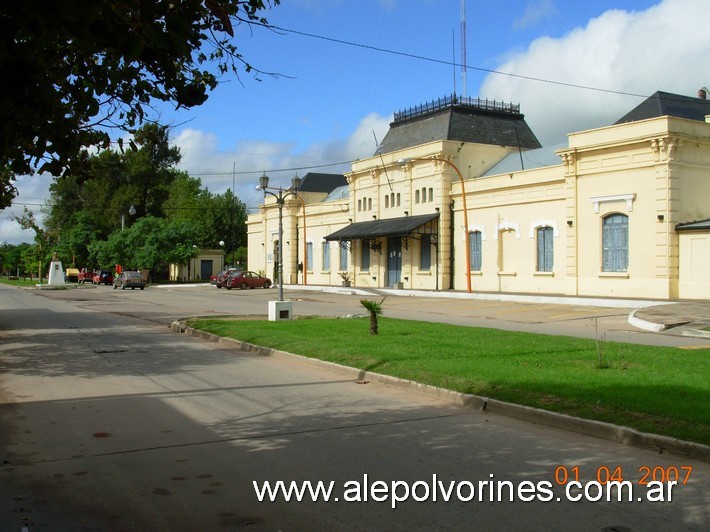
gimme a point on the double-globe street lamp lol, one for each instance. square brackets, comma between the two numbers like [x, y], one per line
[280, 196]
[465, 210]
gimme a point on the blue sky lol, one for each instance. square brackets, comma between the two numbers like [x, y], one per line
[330, 96]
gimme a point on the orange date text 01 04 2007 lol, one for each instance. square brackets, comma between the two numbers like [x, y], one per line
[643, 475]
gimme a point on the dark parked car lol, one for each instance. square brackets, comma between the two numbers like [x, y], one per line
[103, 277]
[130, 280]
[244, 279]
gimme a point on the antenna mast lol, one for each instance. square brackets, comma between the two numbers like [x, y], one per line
[463, 48]
[453, 58]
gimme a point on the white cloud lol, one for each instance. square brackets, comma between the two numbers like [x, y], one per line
[663, 48]
[32, 193]
[535, 12]
[242, 165]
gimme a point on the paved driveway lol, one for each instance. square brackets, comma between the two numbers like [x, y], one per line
[112, 422]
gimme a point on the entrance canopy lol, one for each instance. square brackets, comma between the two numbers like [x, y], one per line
[392, 227]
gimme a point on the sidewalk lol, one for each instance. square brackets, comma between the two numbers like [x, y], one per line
[681, 318]
[685, 318]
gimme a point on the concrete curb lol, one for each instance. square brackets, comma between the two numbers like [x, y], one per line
[650, 326]
[597, 429]
[695, 333]
[643, 324]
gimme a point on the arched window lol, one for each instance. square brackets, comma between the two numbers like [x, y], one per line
[615, 243]
[545, 249]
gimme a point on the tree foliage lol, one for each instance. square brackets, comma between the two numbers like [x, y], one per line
[88, 218]
[75, 70]
[111, 182]
[148, 244]
[11, 258]
[220, 217]
[34, 257]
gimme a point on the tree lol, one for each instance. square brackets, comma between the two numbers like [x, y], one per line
[150, 170]
[75, 239]
[11, 258]
[7, 189]
[108, 186]
[374, 309]
[217, 216]
[37, 255]
[75, 70]
[93, 204]
[149, 243]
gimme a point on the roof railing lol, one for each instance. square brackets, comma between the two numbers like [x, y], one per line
[459, 101]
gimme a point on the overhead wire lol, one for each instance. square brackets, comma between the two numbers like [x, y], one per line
[454, 63]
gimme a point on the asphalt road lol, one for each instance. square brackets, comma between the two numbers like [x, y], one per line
[109, 421]
[164, 304]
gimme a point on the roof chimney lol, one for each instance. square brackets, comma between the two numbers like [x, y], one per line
[703, 93]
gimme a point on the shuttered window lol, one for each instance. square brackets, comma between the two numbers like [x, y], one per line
[326, 256]
[474, 242]
[343, 257]
[425, 253]
[545, 249]
[615, 243]
[309, 256]
[365, 257]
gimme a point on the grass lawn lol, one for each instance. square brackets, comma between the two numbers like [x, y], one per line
[653, 389]
[22, 282]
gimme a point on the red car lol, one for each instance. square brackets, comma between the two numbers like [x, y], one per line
[244, 279]
[102, 277]
[220, 277]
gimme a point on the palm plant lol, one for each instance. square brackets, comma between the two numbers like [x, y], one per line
[374, 308]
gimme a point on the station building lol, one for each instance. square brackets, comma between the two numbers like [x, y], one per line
[460, 195]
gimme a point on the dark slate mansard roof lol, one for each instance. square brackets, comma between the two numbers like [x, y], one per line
[460, 119]
[667, 104]
[317, 182]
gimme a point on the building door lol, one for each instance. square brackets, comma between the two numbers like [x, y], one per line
[394, 262]
[206, 269]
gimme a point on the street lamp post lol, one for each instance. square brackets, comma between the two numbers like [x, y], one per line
[221, 247]
[280, 196]
[132, 212]
[465, 212]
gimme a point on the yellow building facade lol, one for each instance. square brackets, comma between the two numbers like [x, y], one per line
[460, 196]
